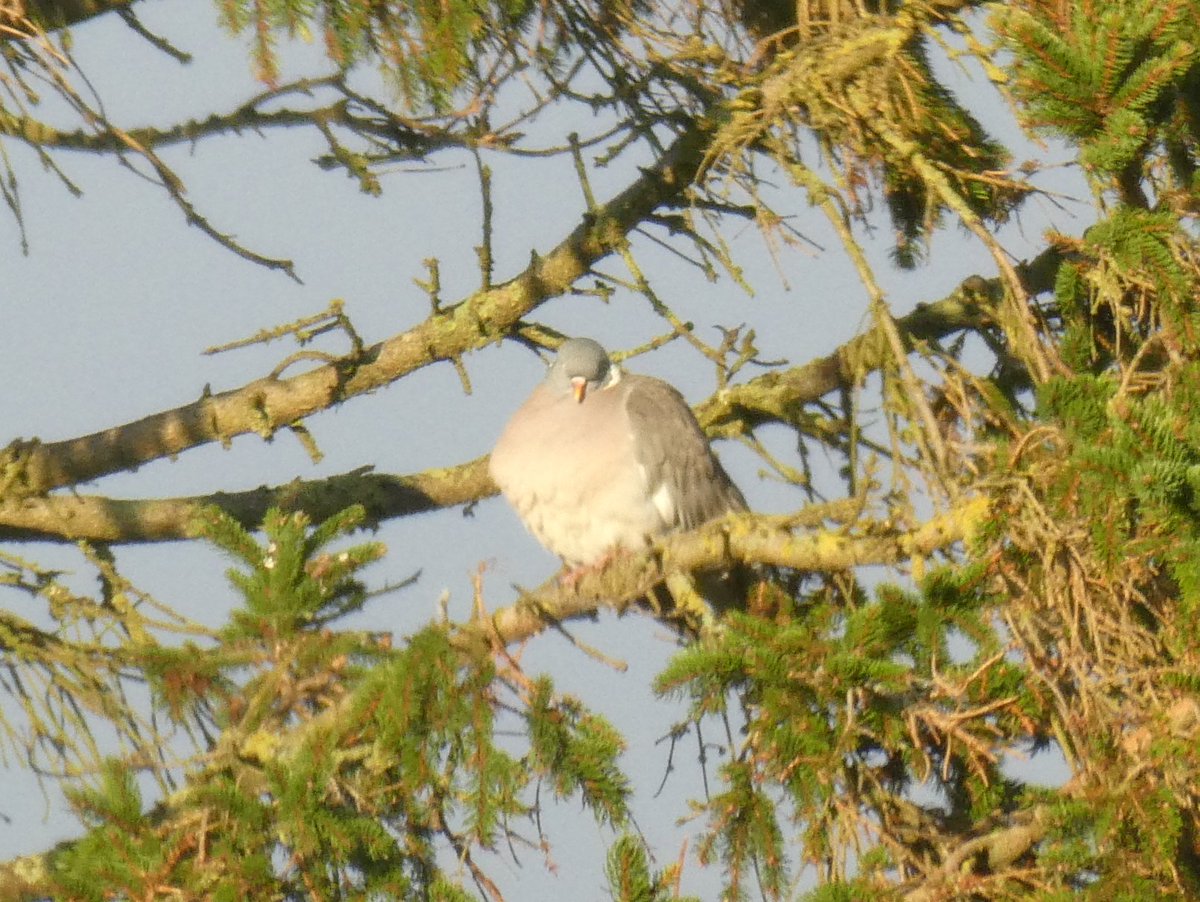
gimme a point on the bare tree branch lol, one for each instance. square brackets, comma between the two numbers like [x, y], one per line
[94, 518]
[268, 405]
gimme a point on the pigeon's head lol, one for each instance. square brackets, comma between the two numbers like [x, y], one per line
[581, 366]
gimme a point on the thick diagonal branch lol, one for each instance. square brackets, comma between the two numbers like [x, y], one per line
[270, 404]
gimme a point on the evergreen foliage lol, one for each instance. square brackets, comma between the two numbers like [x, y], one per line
[335, 765]
[1040, 521]
[849, 706]
[426, 47]
[1117, 78]
[630, 879]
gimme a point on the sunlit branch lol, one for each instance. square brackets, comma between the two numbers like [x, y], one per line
[73, 517]
[743, 539]
[267, 405]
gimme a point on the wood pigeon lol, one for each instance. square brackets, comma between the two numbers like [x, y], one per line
[598, 459]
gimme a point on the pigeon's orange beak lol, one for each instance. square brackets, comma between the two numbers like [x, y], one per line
[579, 388]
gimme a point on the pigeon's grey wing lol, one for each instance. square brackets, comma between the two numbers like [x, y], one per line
[684, 477]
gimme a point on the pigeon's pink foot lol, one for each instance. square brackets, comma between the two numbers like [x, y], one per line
[569, 578]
